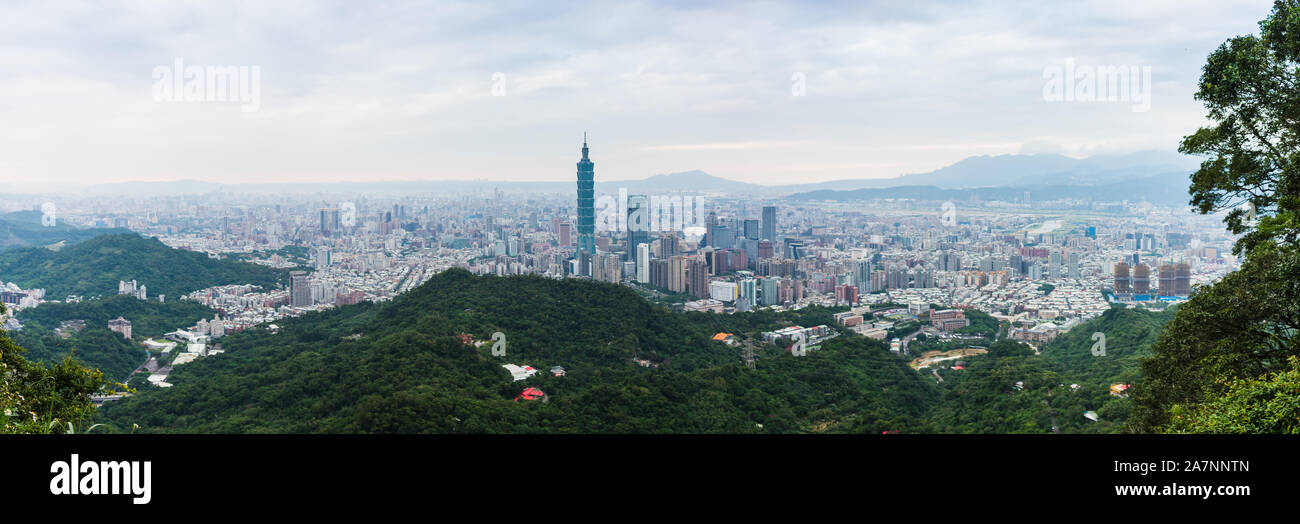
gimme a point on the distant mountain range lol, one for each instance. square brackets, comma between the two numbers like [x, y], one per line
[971, 172]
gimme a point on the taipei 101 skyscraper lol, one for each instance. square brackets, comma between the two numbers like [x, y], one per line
[586, 210]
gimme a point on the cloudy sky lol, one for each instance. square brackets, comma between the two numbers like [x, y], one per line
[405, 90]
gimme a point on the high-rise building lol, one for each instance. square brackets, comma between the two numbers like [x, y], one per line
[698, 272]
[1123, 282]
[638, 231]
[613, 270]
[771, 291]
[752, 229]
[1142, 280]
[659, 273]
[1166, 277]
[677, 274]
[586, 209]
[769, 223]
[643, 263]
[1182, 279]
[321, 257]
[564, 235]
[668, 245]
[329, 220]
[723, 237]
[299, 289]
[749, 290]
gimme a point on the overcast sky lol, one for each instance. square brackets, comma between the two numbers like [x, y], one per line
[405, 90]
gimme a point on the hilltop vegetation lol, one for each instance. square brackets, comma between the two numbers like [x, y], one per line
[1130, 334]
[24, 229]
[986, 397]
[95, 266]
[96, 346]
[398, 367]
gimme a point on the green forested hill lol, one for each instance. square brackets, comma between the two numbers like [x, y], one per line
[97, 347]
[24, 229]
[984, 398]
[398, 367]
[1129, 333]
[95, 266]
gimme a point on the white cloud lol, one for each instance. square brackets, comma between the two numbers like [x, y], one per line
[355, 89]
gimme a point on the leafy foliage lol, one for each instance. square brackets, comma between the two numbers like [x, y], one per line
[1245, 325]
[1266, 404]
[37, 399]
[1251, 87]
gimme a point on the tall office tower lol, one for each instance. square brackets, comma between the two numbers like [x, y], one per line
[586, 209]
[1123, 282]
[638, 231]
[1074, 265]
[677, 274]
[1015, 263]
[565, 234]
[1166, 277]
[709, 224]
[299, 289]
[752, 229]
[1182, 279]
[723, 237]
[769, 223]
[698, 272]
[643, 263]
[1142, 280]
[329, 220]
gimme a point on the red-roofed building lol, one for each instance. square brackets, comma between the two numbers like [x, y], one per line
[531, 394]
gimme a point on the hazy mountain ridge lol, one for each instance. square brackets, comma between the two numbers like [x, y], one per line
[971, 172]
